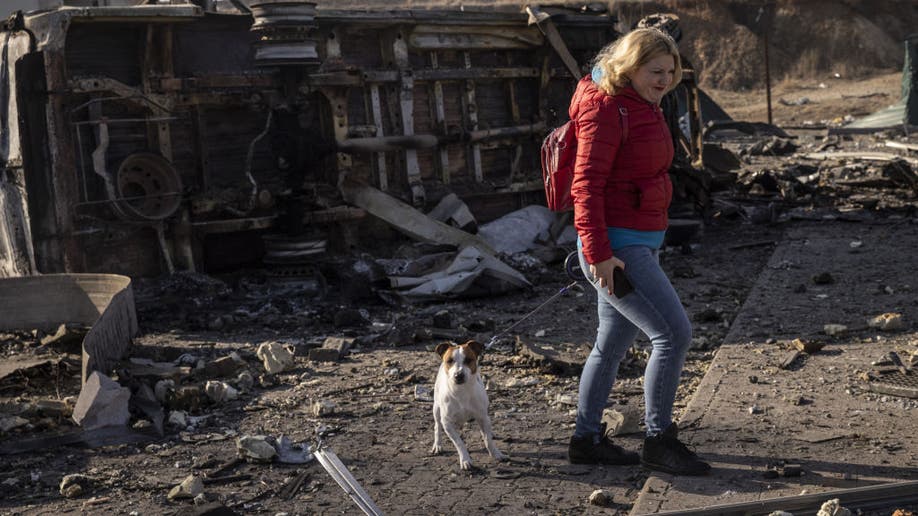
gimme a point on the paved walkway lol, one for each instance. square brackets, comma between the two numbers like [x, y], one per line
[749, 413]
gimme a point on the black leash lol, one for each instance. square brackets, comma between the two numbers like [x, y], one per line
[536, 309]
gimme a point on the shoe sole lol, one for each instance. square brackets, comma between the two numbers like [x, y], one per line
[672, 471]
[632, 462]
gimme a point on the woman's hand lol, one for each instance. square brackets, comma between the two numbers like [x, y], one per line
[602, 272]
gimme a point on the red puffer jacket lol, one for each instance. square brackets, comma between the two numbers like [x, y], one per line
[615, 185]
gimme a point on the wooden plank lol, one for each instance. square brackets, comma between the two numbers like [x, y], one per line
[515, 116]
[407, 219]
[440, 117]
[471, 114]
[376, 110]
[406, 108]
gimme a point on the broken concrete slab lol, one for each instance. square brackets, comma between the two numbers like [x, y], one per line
[105, 302]
[332, 350]
[103, 402]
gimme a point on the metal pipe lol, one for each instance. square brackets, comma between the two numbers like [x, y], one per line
[506, 132]
[387, 143]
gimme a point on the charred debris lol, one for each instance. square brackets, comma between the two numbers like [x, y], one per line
[264, 164]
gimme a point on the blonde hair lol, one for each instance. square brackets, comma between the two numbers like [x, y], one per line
[619, 59]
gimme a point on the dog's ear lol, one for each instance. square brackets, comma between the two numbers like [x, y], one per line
[442, 347]
[476, 346]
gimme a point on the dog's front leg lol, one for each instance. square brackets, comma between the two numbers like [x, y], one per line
[485, 424]
[437, 448]
[465, 461]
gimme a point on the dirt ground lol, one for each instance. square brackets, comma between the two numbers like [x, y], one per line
[380, 425]
[377, 415]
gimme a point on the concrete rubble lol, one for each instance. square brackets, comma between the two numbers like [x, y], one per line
[102, 402]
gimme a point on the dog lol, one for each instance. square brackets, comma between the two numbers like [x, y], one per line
[459, 397]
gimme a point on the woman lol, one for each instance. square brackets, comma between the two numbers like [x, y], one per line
[621, 193]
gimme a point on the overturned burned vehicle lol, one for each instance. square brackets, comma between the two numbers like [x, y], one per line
[141, 139]
[157, 137]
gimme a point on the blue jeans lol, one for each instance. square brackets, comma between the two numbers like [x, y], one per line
[653, 308]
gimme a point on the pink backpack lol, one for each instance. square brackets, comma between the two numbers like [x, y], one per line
[559, 152]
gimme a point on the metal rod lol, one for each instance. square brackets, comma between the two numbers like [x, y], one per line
[343, 477]
[124, 120]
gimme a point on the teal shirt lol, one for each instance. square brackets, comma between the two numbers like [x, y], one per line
[624, 237]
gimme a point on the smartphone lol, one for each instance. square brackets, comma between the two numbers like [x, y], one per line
[621, 286]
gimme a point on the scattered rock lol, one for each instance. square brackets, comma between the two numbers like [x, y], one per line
[755, 409]
[275, 357]
[221, 367]
[255, 447]
[324, 355]
[423, 393]
[550, 360]
[833, 507]
[834, 330]
[527, 381]
[789, 359]
[245, 381]
[601, 498]
[178, 418]
[887, 322]
[626, 421]
[808, 346]
[191, 487]
[220, 392]
[187, 397]
[323, 408]
[75, 485]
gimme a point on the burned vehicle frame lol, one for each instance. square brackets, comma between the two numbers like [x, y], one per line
[163, 137]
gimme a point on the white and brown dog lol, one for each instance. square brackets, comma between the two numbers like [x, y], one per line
[459, 397]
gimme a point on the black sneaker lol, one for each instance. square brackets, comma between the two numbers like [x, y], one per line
[664, 452]
[583, 450]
